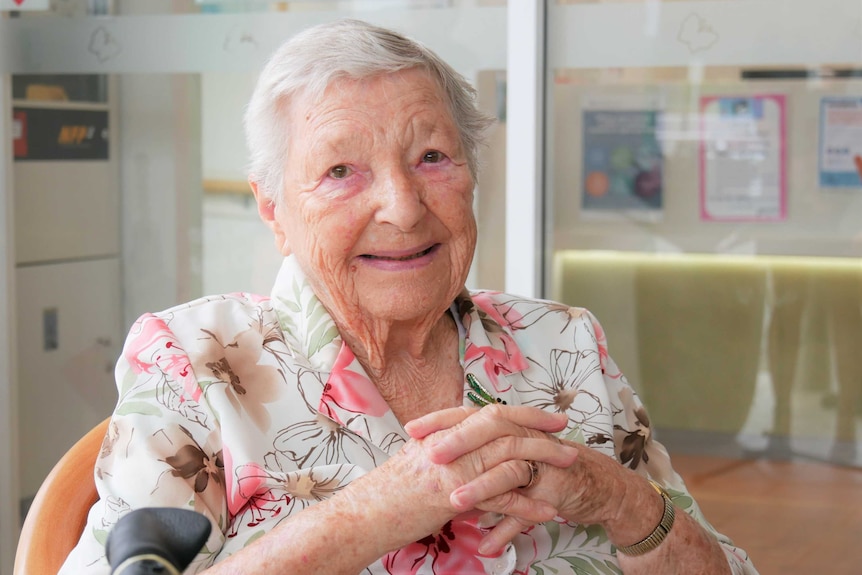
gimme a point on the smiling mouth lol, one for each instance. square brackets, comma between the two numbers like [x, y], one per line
[402, 258]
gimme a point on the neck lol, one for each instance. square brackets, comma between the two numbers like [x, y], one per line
[384, 347]
[413, 363]
[415, 371]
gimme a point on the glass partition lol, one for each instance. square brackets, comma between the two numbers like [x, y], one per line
[703, 175]
[704, 200]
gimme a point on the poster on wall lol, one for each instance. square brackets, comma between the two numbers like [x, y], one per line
[622, 163]
[840, 159]
[743, 158]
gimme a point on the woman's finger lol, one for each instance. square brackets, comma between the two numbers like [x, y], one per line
[542, 449]
[486, 426]
[506, 530]
[511, 502]
[438, 421]
[502, 479]
[526, 416]
[533, 455]
[514, 504]
[531, 417]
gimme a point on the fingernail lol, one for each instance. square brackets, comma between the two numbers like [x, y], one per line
[441, 452]
[460, 500]
[485, 548]
[549, 511]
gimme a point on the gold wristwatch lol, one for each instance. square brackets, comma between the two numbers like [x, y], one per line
[661, 531]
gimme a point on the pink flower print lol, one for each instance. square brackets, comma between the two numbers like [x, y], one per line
[350, 390]
[249, 479]
[264, 494]
[259, 507]
[250, 297]
[143, 342]
[235, 498]
[493, 360]
[177, 366]
[497, 361]
[486, 304]
[153, 347]
[451, 550]
[251, 501]
[601, 342]
[521, 313]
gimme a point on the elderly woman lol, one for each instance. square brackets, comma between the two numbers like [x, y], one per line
[372, 415]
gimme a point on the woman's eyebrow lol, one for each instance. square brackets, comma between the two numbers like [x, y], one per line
[326, 146]
[442, 133]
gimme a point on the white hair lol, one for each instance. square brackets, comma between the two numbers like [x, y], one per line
[310, 61]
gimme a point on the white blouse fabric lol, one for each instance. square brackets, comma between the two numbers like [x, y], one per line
[248, 409]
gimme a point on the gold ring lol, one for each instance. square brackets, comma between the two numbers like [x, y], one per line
[534, 473]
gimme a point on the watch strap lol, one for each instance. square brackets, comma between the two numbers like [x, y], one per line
[661, 531]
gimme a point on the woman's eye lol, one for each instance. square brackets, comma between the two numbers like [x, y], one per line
[432, 157]
[339, 172]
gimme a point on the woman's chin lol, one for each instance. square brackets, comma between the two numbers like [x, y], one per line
[405, 301]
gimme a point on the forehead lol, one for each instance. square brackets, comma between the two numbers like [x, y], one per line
[383, 101]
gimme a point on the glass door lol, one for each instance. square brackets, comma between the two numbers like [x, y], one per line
[124, 187]
[705, 201]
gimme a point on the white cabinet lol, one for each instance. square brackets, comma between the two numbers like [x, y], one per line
[65, 362]
[68, 270]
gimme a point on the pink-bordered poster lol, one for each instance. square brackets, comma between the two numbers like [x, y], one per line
[743, 157]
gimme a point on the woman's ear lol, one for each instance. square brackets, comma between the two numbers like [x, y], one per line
[267, 210]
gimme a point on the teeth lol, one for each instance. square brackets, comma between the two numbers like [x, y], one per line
[404, 258]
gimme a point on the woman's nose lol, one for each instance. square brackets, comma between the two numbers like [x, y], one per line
[401, 199]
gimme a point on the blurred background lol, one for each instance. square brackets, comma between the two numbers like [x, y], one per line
[689, 170]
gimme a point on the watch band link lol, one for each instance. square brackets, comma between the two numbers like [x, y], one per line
[661, 531]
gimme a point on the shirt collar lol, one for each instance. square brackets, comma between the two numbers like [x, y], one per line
[486, 345]
[490, 351]
[310, 332]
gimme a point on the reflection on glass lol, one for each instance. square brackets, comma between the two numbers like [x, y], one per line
[757, 348]
[711, 216]
[60, 87]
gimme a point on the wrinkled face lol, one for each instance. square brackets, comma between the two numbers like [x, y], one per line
[377, 198]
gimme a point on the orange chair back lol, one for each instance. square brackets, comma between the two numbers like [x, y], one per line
[59, 511]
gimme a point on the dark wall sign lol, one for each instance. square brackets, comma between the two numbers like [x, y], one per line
[51, 134]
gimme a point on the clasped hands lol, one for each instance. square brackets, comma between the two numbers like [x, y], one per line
[487, 452]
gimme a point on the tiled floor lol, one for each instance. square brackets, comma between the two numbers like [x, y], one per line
[793, 517]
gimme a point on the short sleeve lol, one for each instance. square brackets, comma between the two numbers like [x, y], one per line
[163, 447]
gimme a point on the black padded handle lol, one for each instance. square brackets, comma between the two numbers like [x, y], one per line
[174, 535]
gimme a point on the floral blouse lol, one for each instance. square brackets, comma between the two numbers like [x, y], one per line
[248, 409]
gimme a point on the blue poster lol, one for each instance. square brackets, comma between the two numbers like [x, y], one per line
[840, 142]
[622, 161]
